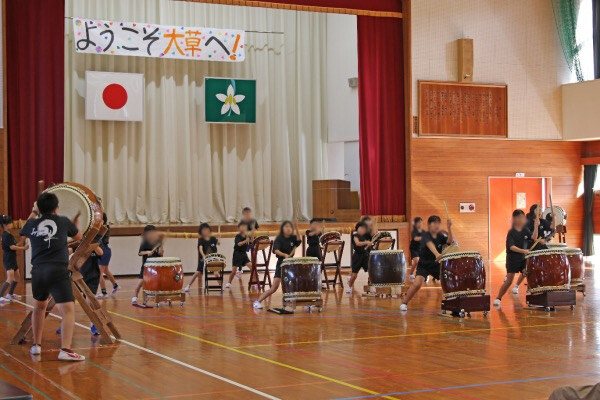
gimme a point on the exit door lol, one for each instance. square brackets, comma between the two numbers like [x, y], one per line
[506, 195]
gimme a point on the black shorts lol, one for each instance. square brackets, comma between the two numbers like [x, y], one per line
[360, 261]
[313, 251]
[106, 256]
[92, 282]
[515, 268]
[141, 275]
[239, 259]
[414, 253]
[50, 279]
[200, 267]
[10, 267]
[426, 269]
[278, 271]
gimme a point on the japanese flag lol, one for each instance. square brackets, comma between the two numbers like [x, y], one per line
[113, 96]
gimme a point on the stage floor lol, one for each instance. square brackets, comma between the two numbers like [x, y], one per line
[219, 347]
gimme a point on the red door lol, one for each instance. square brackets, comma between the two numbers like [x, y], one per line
[506, 195]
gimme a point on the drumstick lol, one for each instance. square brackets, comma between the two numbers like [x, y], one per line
[446, 208]
[219, 231]
[40, 187]
[552, 210]
[535, 243]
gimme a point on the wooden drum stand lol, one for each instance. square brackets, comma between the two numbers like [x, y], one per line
[261, 244]
[335, 247]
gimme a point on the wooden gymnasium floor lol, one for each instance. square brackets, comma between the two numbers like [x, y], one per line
[218, 347]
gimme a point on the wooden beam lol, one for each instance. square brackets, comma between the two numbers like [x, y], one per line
[590, 160]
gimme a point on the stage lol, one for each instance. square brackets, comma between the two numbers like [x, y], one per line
[219, 347]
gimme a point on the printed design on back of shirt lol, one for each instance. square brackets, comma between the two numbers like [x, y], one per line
[46, 229]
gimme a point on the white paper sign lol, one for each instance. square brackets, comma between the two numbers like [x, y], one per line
[150, 40]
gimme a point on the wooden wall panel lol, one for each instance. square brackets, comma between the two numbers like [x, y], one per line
[457, 170]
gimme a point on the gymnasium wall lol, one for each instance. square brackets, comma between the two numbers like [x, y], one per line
[515, 42]
[457, 170]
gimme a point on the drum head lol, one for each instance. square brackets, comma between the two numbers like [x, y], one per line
[72, 201]
[559, 213]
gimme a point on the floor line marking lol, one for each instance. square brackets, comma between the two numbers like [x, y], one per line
[124, 379]
[24, 381]
[268, 360]
[408, 335]
[446, 388]
[174, 360]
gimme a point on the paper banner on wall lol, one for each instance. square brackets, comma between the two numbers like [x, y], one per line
[230, 101]
[150, 40]
[521, 200]
[114, 96]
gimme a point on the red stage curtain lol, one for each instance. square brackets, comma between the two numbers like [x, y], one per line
[381, 116]
[35, 95]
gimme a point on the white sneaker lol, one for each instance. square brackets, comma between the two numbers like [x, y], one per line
[4, 300]
[349, 289]
[412, 278]
[35, 350]
[515, 290]
[134, 300]
[187, 289]
[497, 302]
[239, 274]
[70, 355]
[403, 307]
[101, 296]
[8, 297]
[15, 296]
[115, 289]
[257, 304]
[228, 285]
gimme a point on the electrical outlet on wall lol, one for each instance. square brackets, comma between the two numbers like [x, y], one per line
[467, 207]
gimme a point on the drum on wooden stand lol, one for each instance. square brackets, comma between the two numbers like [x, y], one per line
[387, 271]
[332, 243]
[163, 280]
[301, 282]
[549, 279]
[214, 267]
[575, 258]
[383, 240]
[462, 275]
[75, 200]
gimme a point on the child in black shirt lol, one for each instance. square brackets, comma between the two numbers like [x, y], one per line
[240, 251]
[9, 259]
[104, 261]
[207, 244]
[151, 247]
[517, 246]
[432, 244]
[415, 245]
[50, 274]
[284, 247]
[360, 257]
[313, 236]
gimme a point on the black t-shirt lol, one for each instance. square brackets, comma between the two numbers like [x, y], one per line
[238, 239]
[10, 256]
[90, 268]
[285, 244]
[146, 246]
[251, 224]
[312, 241]
[521, 240]
[415, 244]
[48, 236]
[208, 246]
[360, 250]
[106, 237]
[425, 254]
[544, 230]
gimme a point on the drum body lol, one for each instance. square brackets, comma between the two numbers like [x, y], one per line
[330, 236]
[548, 270]
[215, 260]
[261, 243]
[75, 199]
[462, 274]
[575, 258]
[301, 278]
[163, 275]
[387, 268]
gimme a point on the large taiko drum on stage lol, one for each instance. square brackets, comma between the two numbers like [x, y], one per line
[387, 268]
[301, 278]
[163, 276]
[547, 270]
[462, 274]
[575, 258]
[75, 200]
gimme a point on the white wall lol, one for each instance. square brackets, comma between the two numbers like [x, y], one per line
[515, 42]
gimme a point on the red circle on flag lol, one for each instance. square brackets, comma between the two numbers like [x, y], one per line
[114, 96]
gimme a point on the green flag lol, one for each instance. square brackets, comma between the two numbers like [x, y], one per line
[230, 100]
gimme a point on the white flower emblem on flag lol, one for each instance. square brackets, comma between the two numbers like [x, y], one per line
[230, 101]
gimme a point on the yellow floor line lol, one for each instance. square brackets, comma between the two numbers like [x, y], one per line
[268, 360]
[406, 335]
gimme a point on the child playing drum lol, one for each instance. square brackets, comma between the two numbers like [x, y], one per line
[284, 247]
[9, 259]
[360, 257]
[517, 246]
[415, 245]
[313, 235]
[151, 247]
[240, 248]
[252, 226]
[432, 243]
[207, 244]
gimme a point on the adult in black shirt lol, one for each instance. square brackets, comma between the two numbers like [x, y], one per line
[150, 247]
[360, 257]
[517, 246]
[284, 247]
[432, 243]
[49, 275]
[9, 259]
[415, 245]
[313, 237]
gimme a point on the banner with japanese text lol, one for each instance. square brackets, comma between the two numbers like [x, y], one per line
[150, 40]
